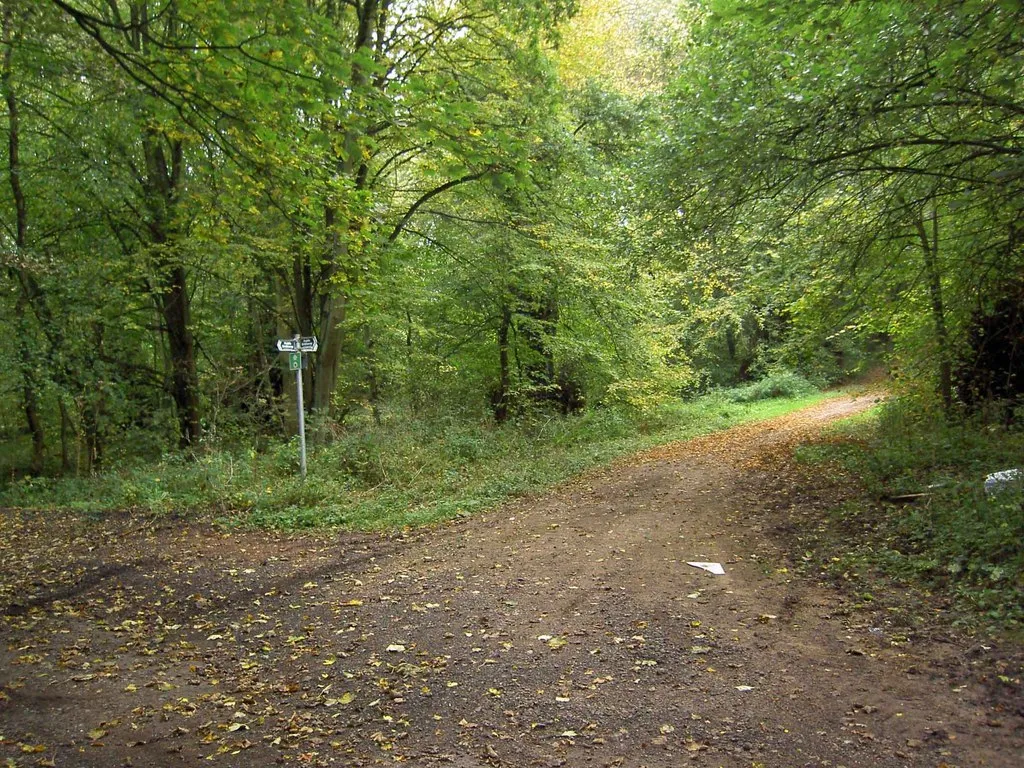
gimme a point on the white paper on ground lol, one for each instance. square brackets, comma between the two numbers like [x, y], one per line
[715, 568]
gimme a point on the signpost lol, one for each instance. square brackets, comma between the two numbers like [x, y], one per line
[296, 347]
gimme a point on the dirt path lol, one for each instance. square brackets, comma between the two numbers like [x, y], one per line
[561, 631]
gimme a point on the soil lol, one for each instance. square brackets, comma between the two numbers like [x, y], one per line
[565, 630]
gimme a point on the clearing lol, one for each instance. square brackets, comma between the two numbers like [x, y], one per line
[565, 630]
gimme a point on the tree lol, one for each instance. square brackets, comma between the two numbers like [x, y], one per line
[906, 119]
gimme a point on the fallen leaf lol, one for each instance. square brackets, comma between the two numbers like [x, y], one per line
[345, 699]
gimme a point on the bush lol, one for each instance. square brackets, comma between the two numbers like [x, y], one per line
[776, 384]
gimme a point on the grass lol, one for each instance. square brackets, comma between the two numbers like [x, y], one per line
[404, 473]
[957, 540]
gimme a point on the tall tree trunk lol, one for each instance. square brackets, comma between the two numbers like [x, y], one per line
[173, 300]
[91, 436]
[165, 167]
[933, 276]
[30, 391]
[372, 376]
[305, 323]
[162, 182]
[66, 430]
[370, 15]
[411, 380]
[333, 310]
[30, 386]
[502, 395]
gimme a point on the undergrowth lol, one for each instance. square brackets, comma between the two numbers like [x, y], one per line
[405, 472]
[777, 384]
[954, 538]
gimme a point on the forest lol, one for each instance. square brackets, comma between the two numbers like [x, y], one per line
[510, 226]
[659, 401]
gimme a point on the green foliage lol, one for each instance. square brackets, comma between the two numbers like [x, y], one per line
[839, 177]
[777, 384]
[957, 539]
[406, 472]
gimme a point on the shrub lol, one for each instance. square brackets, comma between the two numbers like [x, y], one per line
[780, 383]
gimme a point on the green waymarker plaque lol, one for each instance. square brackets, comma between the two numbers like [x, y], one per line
[294, 361]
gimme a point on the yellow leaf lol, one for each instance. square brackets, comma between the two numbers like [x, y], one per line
[96, 733]
[346, 698]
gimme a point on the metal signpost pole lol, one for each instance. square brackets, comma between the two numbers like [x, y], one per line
[296, 347]
[302, 415]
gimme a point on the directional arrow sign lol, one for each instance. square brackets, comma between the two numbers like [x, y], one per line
[308, 344]
[287, 345]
